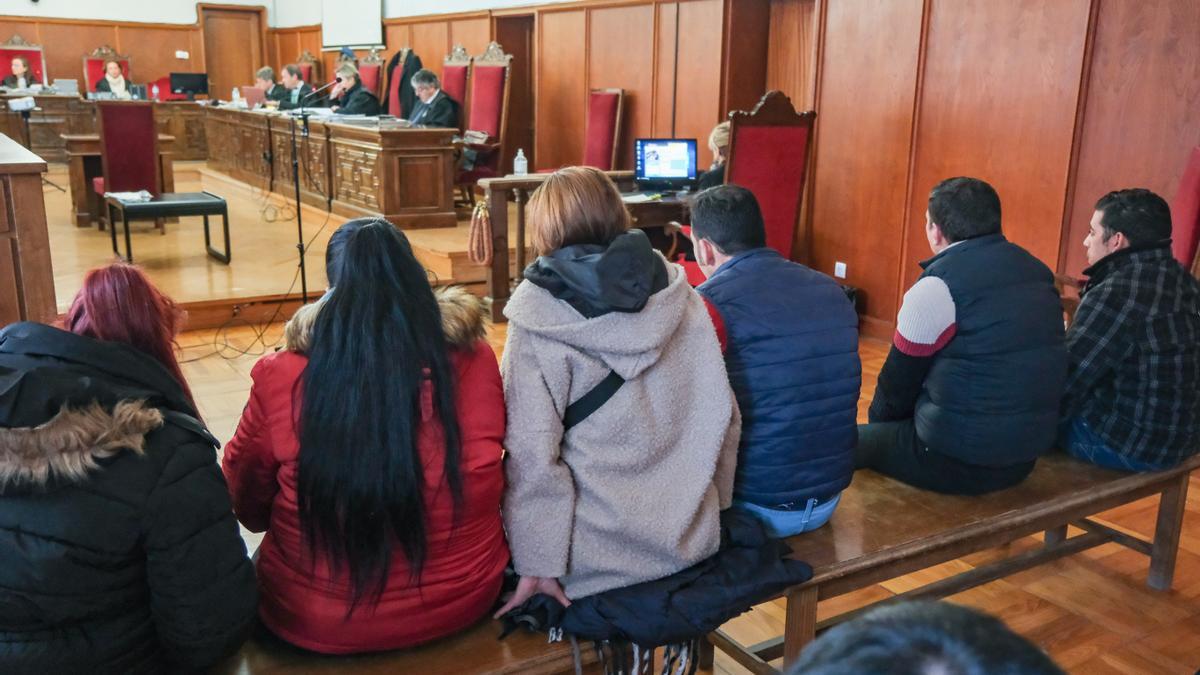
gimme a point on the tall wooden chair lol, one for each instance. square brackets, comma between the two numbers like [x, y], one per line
[1185, 212]
[370, 70]
[768, 155]
[456, 76]
[603, 128]
[310, 68]
[128, 149]
[93, 66]
[487, 112]
[17, 46]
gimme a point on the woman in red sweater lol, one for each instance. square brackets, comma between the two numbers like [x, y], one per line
[370, 453]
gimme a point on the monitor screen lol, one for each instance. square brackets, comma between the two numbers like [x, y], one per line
[668, 162]
[189, 83]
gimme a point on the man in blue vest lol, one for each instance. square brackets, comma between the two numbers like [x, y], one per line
[969, 394]
[791, 339]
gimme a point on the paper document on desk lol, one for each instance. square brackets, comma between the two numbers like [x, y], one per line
[640, 198]
[130, 197]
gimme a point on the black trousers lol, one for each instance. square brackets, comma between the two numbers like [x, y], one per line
[893, 449]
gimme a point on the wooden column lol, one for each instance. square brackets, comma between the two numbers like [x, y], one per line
[26, 280]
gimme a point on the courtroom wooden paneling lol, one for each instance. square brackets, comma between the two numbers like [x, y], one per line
[1142, 108]
[621, 54]
[65, 45]
[26, 278]
[998, 102]
[473, 33]
[152, 50]
[862, 149]
[286, 44]
[312, 155]
[696, 81]
[561, 91]
[744, 76]
[792, 48]
[184, 121]
[431, 42]
[516, 34]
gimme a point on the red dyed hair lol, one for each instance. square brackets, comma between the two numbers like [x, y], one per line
[118, 303]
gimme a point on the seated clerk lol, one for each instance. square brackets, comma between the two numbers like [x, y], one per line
[350, 97]
[633, 491]
[435, 107]
[969, 394]
[370, 453]
[21, 77]
[264, 78]
[718, 144]
[1132, 398]
[297, 92]
[119, 552]
[793, 362]
[114, 81]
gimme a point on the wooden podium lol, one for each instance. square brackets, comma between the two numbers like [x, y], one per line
[26, 280]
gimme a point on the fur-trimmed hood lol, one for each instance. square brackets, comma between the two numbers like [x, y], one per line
[68, 445]
[464, 319]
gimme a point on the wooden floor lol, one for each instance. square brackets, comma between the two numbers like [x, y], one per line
[263, 241]
[1092, 612]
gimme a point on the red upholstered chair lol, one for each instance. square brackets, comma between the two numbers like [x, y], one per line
[768, 155]
[128, 148]
[164, 90]
[310, 67]
[93, 66]
[17, 46]
[1185, 212]
[456, 74]
[603, 128]
[370, 71]
[487, 112]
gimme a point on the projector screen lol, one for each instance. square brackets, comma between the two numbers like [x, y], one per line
[351, 23]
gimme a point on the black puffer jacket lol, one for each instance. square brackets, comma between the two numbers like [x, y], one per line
[119, 551]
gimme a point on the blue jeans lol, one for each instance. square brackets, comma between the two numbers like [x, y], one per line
[1080, 442]
[785, 523]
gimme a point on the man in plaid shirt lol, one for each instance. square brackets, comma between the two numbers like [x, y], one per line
[1132, 398]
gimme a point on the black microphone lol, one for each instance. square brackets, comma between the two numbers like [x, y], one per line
[314, 92]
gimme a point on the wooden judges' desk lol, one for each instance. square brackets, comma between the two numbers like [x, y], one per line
[83, 164]
[26, 280]
[73, 116]
[403, 174]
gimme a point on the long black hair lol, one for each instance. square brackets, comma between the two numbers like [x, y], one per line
[375, 343]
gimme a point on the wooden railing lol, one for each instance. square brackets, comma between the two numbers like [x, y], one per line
[499, 194]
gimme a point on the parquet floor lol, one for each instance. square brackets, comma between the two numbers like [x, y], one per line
[1092, 612]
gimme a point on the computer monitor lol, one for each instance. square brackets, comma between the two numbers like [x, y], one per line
[665, 163]
[189, 83]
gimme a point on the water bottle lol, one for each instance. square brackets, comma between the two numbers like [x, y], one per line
[520, 164]
[235, 95]
[154, 92]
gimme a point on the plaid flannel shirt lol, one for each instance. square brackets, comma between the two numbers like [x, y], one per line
[1135, 356]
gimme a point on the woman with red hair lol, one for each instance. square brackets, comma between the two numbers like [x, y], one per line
[118, 547]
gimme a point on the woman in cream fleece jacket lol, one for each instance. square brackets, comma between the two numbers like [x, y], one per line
[634, 491]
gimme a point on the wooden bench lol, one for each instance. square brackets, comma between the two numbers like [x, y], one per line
[884, 529]
[476, 650]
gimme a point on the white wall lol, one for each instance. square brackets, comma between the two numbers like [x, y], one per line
[147, 11]
[395, 8]
[296, 13]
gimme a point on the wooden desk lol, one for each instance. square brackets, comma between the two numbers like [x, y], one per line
[26, 280]
[58, 115]
[83, 164]
[405, 175]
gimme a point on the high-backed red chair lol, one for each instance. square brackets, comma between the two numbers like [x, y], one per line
[768, 155]
[603, 128]
[370, 71]
[128, 148]
[487, 112]
[310, 67]
[93, 66]
[456, 74]
[17, 46]
[1185, 212]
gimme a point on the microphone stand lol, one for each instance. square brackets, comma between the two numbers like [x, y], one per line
[303, 116]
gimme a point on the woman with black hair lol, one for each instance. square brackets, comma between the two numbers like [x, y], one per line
[370, 453]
